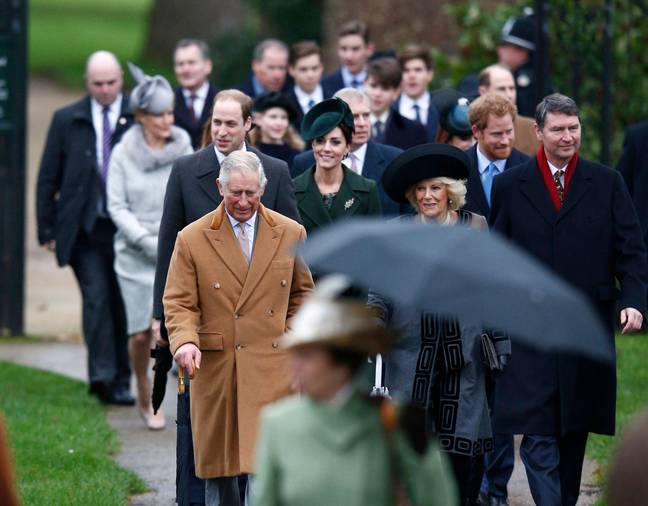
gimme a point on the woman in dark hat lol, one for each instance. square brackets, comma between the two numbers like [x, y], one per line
[333, 444]
[330, 191]
[438, 363]
[274, 135]
[454, 127]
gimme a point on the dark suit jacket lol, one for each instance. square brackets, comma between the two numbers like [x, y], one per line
[331, 83]
[432, 120]
[634, 169]
[476, 198]
[402, 132]
[376, 161]
[247, 86]
[183, 118]
[592, 242]
[357, 196]
[192, 192]
[68, 183]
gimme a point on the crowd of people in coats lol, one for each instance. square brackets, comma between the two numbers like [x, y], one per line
[178, 211]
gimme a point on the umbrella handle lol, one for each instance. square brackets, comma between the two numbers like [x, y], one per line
[193, 368]
[378, 373]
[181, 382]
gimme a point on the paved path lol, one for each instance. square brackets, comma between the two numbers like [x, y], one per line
[53, 310]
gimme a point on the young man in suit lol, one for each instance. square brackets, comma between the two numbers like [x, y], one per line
[388, 126]
[577, 218]
[269, 69]
[195, 95]
[73, 220]
[414, 102]
[305, 67]
[233, 287]
[354, 49]
[491, 118]
[367, 158]
[498, 79]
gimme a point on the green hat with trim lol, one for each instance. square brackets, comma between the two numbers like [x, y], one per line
[324, 117]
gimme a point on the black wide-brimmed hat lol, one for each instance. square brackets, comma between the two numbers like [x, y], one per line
[453, 111]
[324, 117]
[275, 99]
[423, 162]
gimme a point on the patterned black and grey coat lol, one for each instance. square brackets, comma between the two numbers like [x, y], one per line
[437, 365]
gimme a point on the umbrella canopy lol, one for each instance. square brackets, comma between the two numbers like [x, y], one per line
[462, 273]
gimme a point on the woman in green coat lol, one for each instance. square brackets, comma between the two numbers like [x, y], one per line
[333, 445]
[329, 191]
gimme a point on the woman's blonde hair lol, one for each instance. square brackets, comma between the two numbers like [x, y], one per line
[455, 188]
[291, 137]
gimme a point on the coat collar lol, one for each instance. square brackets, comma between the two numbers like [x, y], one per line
[84, 112]
[223, 240]
[309, 199]
[474, 184]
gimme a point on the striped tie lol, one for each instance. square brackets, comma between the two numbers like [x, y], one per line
[106, 140]
[244, 241]
[559, 186]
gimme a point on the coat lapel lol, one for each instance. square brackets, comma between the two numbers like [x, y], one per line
[374, 163]
[474, 184]
[578, 187]
[207, 172]
[533, 187]
[309, 199]
[267, 240]
[221, 237]
[347, 201]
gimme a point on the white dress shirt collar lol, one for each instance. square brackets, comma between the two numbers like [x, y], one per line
[201, 93]
[483, 162]
[360, 155]
[555, 169]
[406, 106]
[250, 224]
[303, 98]
[222, 156]
[347, 77]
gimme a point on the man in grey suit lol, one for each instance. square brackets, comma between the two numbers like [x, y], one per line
[192, 192]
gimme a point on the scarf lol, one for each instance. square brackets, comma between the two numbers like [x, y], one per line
[547, 176]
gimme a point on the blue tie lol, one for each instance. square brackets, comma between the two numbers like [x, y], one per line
[310, 104]
[491, 172]
[355, 83]
[417, 111]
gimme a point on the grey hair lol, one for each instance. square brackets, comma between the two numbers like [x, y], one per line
[350, 94]
[241, 161]
[264, 45]
[200, 44]
[455, 188]
[555, 103]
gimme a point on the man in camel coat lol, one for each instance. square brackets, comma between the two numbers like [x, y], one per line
[232, 288]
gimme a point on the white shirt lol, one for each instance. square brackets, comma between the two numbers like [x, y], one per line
[360, 155]
[406, 107]
[555, 169]
[382, 118]
[199, 101]
[97, 122]
[483, 163]
[250, 228]
[360, 77]
[222, 156]
[304, 98]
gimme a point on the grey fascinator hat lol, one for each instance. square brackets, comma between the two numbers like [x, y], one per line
[153, 94]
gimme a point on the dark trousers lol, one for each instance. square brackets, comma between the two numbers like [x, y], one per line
[499, 466]
[104, 317]
[468, 472]
[554, 465]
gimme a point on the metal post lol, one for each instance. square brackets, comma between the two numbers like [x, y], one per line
[13, 101]
[606, 112]
[541, 56]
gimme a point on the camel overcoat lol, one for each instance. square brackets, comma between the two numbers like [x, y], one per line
[235, 315]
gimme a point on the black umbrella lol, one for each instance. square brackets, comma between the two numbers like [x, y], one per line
[466, 274]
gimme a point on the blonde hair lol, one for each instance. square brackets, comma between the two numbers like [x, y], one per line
[455, 188]
[291, 137]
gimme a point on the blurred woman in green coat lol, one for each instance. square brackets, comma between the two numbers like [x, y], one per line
[334, 445]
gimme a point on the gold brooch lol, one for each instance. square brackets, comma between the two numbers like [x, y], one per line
[348, 203]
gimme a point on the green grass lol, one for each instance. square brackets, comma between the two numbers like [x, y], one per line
[62, 33]
[632, 397]
[61, 443]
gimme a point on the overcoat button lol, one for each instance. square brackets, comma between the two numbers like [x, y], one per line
[216, 285]
[238, 346]
[236, 316]
[275, 344]
[122, 121]
[270, 312]
[283, 282]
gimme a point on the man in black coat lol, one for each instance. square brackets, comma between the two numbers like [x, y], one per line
[269, 69]
[73, 220]
[577, 218]
[367, 158]
[195, 95]
[491, 118]
[388, 125]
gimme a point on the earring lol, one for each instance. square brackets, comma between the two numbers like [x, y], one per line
[449, 201]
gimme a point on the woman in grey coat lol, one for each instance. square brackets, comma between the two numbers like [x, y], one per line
[137, 177]
[438, 363]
